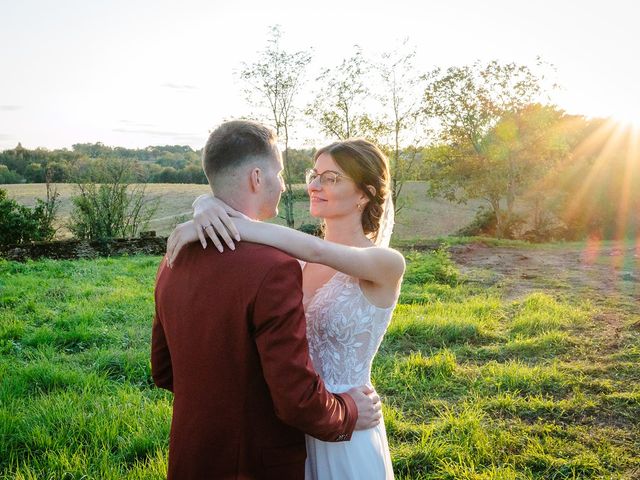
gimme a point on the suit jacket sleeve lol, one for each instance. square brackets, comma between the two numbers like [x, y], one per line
[299, 395]
[161, 369]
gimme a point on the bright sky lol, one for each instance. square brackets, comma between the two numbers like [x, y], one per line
[154, 72]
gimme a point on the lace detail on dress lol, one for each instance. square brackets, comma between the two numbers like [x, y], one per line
[344, 331]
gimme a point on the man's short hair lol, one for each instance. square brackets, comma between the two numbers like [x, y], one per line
[235, 143]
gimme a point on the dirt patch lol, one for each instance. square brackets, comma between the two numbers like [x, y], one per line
[607, 276]
[603, 272]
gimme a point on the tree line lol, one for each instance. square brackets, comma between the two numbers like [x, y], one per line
[85, 162]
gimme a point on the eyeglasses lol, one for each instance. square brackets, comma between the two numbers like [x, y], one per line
[328, 177]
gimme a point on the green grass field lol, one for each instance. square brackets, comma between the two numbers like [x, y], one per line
[436, 217]
[476, 384]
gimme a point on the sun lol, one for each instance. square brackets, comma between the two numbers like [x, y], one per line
[628, 115]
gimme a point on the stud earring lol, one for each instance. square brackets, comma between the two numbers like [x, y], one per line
[359, 207]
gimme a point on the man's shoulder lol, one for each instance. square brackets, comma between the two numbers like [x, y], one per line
[249, 264]
[266, 252]
[264, 257]
[247, 259]
[252, 255]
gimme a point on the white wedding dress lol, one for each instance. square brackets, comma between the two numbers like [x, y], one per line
[344, 331]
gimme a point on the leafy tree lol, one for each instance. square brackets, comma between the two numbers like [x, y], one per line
[9, 176]
[21, 164]
[35, 173]
[596, 189]
[400, 99]
[342, 102]
[274, 82]
[493, 137]
[299, 161]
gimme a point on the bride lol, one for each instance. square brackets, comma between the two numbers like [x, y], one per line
[351, 283]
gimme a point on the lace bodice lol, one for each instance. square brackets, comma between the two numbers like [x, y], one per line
[344, 331]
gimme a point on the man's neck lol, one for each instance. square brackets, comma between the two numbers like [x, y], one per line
[241, 205]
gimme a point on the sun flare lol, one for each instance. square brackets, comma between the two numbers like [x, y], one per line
[628, 116]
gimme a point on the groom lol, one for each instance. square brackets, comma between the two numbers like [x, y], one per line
[229, 338]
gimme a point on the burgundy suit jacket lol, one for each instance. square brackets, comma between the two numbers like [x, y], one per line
[229, 340]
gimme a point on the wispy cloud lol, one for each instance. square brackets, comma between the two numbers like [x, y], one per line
[160, 133]
[6, 136]
[10, 108]
[134, 123]
[179, 86]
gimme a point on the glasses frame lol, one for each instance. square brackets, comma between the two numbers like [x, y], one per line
[311, 172]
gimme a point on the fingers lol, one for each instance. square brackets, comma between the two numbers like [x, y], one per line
[222, 227]
[369, 406]
[201, 222]
[214, 238]
[376, 414]
[231, 227]
[172, 247]
[222, 232]
[200, 232]
[376, 419]
[176, 249]
[169, 248]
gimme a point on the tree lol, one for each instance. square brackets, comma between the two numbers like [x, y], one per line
[34, 173]
[400, 98]
[9, 176]
[274, 82]
[524, 147]
[486, 123]
[342, 103]
[597, 187]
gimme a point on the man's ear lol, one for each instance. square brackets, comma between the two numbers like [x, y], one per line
[255, 179]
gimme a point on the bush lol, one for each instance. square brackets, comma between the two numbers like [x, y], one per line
[485, 223]
[433, 267]
[311, 229]
[22, 224]
[114, 208]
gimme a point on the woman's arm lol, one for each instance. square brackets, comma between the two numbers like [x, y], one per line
[375, 264]
[381, 266]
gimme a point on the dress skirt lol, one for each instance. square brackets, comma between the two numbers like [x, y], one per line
[365, 457]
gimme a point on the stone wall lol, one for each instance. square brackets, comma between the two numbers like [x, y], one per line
[73, 249]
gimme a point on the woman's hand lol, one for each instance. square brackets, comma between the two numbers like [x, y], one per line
[213, 216]
[183, 233]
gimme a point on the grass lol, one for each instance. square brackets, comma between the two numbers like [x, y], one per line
[475, 386]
